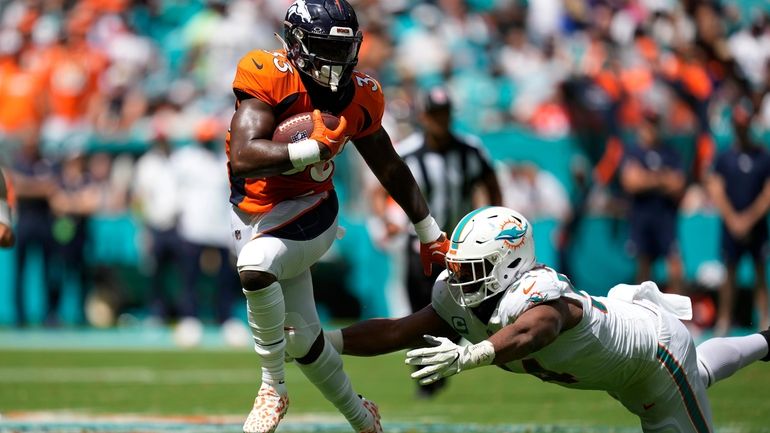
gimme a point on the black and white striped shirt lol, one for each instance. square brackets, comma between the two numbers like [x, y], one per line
[447, 178]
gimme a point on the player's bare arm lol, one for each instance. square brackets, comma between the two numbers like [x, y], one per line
[379, 336]
[534, 329]
[379, 154]
[254, 155]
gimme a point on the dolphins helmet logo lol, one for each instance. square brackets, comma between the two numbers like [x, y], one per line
[512, 233]
[300, 8]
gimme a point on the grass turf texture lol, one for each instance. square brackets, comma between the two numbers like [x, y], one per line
[225, 383]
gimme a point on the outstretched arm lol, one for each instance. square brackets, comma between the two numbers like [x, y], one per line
[380, 336]
[533, 330]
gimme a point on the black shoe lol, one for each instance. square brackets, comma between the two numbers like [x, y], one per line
[766, 334]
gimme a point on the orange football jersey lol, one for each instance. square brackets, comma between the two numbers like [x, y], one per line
[272, 78]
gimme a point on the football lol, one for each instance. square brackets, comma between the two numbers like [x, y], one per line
[300, 126]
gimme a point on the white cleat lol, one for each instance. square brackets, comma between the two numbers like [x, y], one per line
[372, 408]
[269, 408]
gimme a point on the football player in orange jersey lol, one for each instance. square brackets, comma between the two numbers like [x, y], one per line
[6, 233]
[284, 204]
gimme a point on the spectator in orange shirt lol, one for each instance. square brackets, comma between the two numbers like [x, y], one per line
[22, 105]
[72, 73]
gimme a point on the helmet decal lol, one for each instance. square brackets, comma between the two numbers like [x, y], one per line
[512, 233]
[457, 238]
[299, 8]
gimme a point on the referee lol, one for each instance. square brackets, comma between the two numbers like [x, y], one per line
[455, 173]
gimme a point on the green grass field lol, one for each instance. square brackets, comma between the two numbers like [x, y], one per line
[222, 384]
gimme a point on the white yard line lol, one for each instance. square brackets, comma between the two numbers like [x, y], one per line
[35, 422]
[124, 375]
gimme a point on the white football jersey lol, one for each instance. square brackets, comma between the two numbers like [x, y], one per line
[600, 352]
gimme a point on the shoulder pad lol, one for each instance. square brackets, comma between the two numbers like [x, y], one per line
[539, 285]
[267, 75]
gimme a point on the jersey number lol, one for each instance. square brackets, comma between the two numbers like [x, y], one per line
[531, 366]
[321, 171]
[280, 62]
[367, 81]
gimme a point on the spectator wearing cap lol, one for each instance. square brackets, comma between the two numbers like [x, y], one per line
[455, 174]
[653, 178]
[739, 186]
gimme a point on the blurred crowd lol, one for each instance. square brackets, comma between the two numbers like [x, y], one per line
[102, 99]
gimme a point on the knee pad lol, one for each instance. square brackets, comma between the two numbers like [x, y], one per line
[259, 254]
[300, 335]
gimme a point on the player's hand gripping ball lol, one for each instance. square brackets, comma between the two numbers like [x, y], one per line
[325, 128]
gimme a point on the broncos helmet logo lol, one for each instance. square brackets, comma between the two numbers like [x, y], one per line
[299, 8]
[512, 233]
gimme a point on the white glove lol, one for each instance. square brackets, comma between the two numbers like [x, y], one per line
[447, 358]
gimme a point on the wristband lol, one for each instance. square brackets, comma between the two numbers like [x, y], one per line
[5, 213]
[427, 230]
[335, 339]
[304, 153]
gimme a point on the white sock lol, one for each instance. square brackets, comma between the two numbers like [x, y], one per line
[266, 312]
[327, 375]
[720, 358]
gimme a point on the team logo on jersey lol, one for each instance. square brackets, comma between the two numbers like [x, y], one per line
[537, 298]
[299, 8]
[512, 233]
[459, 324]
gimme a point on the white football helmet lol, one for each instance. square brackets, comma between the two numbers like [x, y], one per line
[490, 249]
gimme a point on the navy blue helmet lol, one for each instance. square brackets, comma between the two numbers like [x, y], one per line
[323, 39]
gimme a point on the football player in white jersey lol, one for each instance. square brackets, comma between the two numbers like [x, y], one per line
[528, 318]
